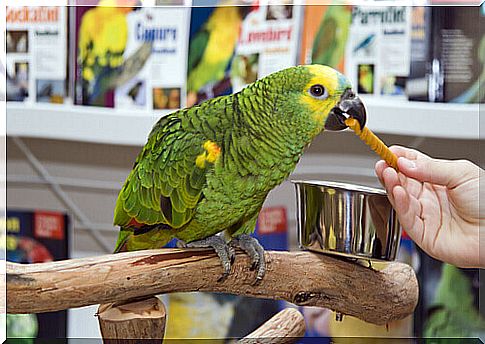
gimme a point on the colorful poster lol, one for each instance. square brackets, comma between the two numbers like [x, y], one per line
[232, 46]
[36, 237]
[378, 50]
[36, 45]
[131, 57]
[325, 34]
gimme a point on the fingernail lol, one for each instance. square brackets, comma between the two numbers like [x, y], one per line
[406, 163]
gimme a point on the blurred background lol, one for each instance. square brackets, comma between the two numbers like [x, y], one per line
[86, 81]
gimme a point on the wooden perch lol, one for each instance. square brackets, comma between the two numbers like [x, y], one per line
[143, 319]
[285, 327]
[303, 278]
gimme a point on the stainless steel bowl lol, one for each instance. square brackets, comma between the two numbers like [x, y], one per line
[347, 220]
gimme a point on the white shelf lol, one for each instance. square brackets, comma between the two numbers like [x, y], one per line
[101, 125]
[402, 117]
[80, 123]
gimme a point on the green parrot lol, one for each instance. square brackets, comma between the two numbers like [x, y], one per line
[208, 169]
[454, 312]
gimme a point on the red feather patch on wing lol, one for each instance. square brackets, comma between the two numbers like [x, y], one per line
[134, 223]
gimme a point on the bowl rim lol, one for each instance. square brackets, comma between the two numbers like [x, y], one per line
[342, 186]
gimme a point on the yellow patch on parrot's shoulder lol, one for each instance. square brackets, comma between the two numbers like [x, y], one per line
[200, 160]
[212, 152]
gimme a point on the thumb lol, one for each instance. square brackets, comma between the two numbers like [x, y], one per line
[449, 173]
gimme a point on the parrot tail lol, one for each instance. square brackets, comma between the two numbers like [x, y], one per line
[148, 237]
[123, 237]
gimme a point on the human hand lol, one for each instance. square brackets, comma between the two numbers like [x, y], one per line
[437, 204]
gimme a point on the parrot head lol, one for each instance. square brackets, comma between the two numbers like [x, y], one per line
[323, 96]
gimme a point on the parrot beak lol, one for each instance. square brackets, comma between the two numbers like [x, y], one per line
[349, 105]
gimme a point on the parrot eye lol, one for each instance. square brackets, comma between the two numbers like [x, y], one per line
[318, 91]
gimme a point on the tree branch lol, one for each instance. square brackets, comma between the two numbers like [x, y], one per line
[143, 319]
[300, 277]
[286, 327]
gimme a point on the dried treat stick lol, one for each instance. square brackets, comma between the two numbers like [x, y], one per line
[373, 142]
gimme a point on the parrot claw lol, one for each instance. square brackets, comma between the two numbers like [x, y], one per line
[226, 254]
[223, 277]
[255, 252]
[258, 280]
[254, 265]
[232, 254]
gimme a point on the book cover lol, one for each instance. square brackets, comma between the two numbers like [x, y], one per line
[447, 55]
[418, 83]
[232, 46]
[458, 65]
[36, 237]
[160, 84]
[131, 57]
[377, 55]
[36, 46]
[325, 34]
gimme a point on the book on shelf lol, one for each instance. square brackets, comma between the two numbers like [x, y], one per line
[131, 57]
[377, 55]
[36, 54]
[451, 65]
[325, 34]
[232, 46]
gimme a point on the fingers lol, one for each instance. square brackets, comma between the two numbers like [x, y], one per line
[403, 193]
[402, 207]
[379, 168]
[391, 180]
[421, 167]
[442, 172]
[408, 210]
[405, 152]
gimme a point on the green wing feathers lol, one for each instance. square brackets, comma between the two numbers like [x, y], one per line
[130, 240]
[165, 184]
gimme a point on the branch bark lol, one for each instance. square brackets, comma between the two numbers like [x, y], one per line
[303, 278]
[286, 327]
[145, 319]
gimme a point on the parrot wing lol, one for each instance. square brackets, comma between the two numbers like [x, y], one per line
[166, 183]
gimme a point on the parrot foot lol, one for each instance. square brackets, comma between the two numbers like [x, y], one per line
[255, 251]
[224, 251]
